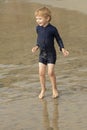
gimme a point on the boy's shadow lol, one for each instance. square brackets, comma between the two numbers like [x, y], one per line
[50, 124]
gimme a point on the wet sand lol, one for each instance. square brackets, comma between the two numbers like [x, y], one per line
[20, 108]
[76, 5]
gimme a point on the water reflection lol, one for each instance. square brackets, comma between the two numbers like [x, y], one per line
[48, 123]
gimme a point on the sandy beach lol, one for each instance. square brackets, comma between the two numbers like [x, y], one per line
[20, 108]
[75, 5]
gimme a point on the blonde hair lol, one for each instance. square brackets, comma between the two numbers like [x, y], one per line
[44, 12]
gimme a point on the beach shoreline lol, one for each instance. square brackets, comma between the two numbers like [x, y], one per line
[74, 5]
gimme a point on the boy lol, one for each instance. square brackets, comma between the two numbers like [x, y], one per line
[45, 42]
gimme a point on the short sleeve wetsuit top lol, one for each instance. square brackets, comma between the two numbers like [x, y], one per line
[45, 41]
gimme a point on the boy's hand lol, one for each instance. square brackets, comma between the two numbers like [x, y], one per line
[65, 52]
[34, 49]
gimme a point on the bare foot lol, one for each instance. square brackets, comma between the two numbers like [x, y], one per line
[42, 94]
[55, 93]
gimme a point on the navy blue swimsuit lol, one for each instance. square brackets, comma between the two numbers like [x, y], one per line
[45, 41]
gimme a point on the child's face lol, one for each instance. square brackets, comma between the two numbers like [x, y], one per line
[42, 21]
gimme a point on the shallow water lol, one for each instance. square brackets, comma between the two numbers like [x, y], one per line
[20, 108]
[77, 5]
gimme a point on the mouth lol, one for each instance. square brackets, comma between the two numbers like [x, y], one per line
[40, 23]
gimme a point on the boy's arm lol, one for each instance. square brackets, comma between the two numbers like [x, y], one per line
[60, 43]
[59, 39]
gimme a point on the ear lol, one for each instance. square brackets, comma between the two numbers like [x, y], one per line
[48, 19]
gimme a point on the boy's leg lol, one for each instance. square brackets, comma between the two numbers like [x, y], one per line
[42, 71]
[53, 79]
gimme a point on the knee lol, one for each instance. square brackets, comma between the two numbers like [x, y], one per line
[50, 74]
[41, 74]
